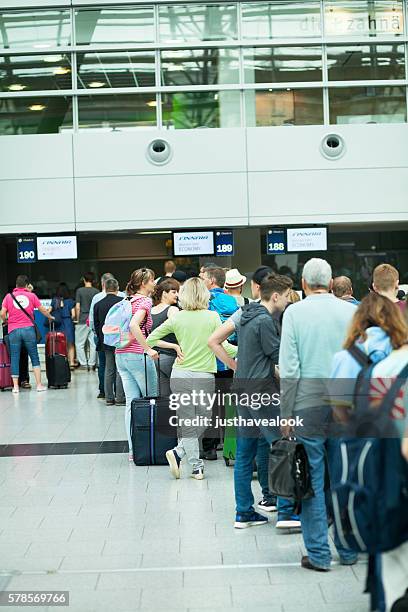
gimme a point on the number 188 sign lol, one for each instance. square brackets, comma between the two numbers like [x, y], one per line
[26, 250]
[224, 243]
[276, 242]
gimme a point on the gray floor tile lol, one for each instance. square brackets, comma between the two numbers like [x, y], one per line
[222, 577]
[259, 595]
[137, 580]
[212, 598]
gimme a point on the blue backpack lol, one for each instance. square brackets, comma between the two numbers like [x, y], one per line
[369, 475]
[116, 331]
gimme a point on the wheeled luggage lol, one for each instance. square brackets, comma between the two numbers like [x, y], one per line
[6, 381]
[230, 436]
[151, 432]
[56, 360]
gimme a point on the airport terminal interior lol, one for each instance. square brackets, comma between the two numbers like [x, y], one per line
[133, 132]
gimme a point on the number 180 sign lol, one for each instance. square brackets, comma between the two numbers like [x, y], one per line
[26, 250]
[224, 243]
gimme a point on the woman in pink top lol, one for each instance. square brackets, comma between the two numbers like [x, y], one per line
[130, 361]
[21, 329]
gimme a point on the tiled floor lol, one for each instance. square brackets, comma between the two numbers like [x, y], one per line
[122, 538]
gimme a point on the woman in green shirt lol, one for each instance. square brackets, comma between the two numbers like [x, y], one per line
[192, 377]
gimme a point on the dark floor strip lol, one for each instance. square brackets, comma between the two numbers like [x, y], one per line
[63, 448]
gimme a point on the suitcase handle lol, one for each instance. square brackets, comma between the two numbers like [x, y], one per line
[158, 376]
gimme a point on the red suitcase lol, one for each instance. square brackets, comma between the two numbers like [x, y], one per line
[55, 344]
[6, 381]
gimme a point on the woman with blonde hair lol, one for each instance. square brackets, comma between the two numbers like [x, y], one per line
[193, 374]
[131, 361]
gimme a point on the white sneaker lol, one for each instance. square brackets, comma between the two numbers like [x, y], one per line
[174, 462]
[198, 474]
[41, 388]
[288, 523]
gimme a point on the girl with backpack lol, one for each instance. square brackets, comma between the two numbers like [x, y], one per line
[130, 360]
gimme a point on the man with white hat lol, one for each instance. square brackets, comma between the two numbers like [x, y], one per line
[234, 282]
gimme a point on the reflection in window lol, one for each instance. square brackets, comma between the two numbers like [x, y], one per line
[353, 62]
[116, 25]
[198, 22]
[117, 112]
[200, 66]
[282, 64]
[280, 19]
[35, 115]
[38, 29]
[367, 105]
[363, 17]
[35, 72]
[187, 110]
[116, 69]
[284, 107]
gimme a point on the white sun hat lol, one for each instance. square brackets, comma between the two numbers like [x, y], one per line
[234, 279]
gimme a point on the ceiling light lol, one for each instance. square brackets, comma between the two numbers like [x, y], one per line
[215, 96]
[270, 89]
[37, 107]
[52, 58]
[61, 70]
[17, 87]
[152, 103]
[42, 46]
[96, 84]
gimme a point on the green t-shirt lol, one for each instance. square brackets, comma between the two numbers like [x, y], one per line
[192, 329]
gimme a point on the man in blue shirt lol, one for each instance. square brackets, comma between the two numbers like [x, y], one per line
[225, 305]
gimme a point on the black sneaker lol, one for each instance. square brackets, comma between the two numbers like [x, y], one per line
[267, 505]
[198, 474]
[242, 521]
[174, 462]
[210, 455]
[100, 395]
[120, 402]
[110, 402]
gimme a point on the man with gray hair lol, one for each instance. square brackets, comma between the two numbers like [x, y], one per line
[112, 380]
[101, 354]
[313, 330]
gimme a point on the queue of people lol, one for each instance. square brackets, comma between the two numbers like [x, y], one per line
[189, 335]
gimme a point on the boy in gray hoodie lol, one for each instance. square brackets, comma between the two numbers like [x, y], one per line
[258, 354]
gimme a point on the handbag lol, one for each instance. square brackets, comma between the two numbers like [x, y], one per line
[289, 471]
[38, 335]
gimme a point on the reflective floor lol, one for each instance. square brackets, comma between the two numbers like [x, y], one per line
[123, 538]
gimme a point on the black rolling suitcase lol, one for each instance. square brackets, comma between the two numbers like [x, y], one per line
[150, 430]
[56, 360]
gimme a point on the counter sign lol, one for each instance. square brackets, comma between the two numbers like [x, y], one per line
[224, 243]
[276, 242]
[26, 250]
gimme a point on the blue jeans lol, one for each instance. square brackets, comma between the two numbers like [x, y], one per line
[131, 368]
[17, 338]
[314, 514]
[254, 442]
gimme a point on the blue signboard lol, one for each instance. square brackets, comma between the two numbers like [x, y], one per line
[275, 242]
[224, 243]
[26, 250]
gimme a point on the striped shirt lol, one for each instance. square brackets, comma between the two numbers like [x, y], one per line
[140, 303]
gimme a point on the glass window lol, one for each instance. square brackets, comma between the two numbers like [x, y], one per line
[357, 62]
[200, 66]
[186, 110]
[35, 115]
[122, 112]
[367, 105]
[282, 64]
[121, 69]
[116, 25]
[186, 22]
[368, 17]
[37, 29]
[35, 72]
[284, 107]
[280, 19]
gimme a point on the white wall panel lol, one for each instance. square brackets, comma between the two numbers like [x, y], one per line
[39, 156]
[161, 201]
[36, 206]
[323, 196]
[194, 151]
[298, 148]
